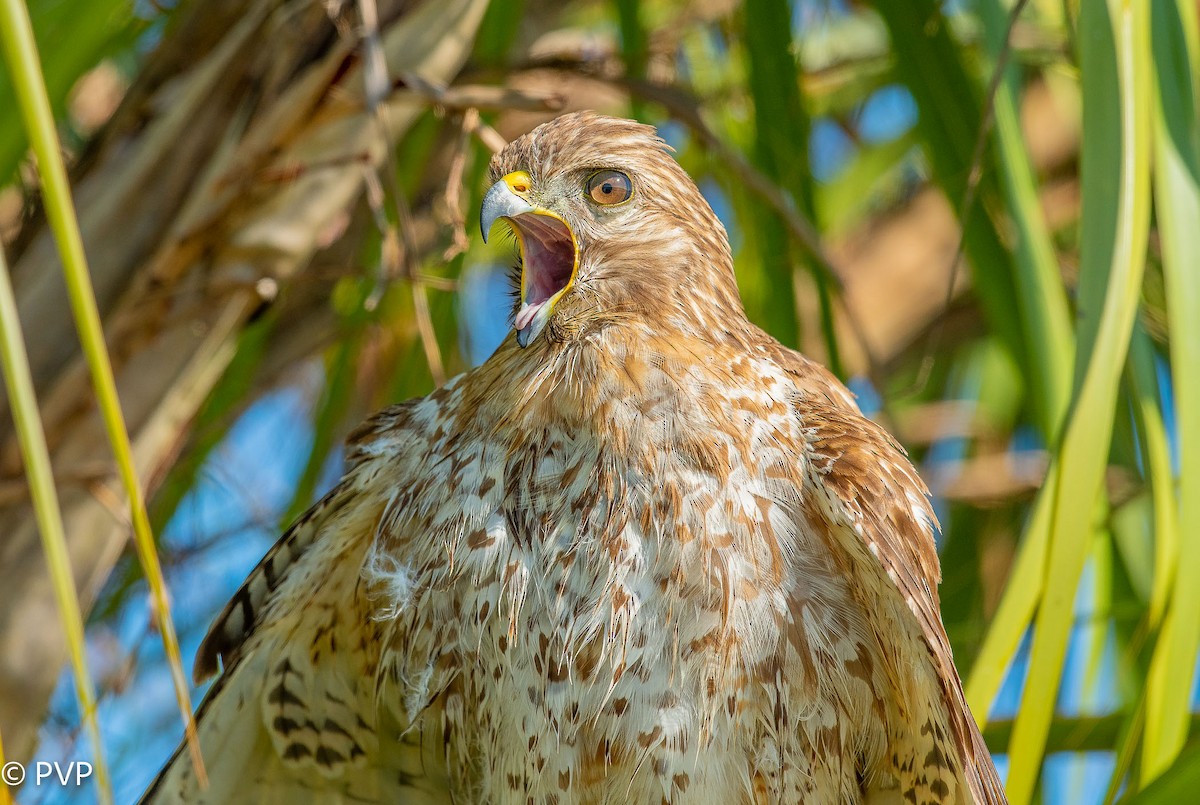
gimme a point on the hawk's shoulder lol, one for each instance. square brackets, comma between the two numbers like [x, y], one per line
[868, 492]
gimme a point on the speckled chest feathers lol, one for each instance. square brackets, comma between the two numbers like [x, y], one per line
[643, 554]
[638, 597]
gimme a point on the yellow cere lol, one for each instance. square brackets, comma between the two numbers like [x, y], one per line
[519, 182]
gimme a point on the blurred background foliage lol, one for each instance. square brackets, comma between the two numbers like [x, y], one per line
[983, 215]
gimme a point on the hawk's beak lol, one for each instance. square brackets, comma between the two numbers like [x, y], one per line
[549, 252]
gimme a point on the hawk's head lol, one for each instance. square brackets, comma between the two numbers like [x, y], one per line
[608, 226]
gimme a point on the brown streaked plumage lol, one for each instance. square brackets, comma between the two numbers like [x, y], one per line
[645, 553]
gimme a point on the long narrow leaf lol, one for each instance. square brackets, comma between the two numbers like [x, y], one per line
[1147, 536]
[20, 53]
[1177, 203]
[1177, 784]
[18, 381]
[1156, 452]
[635, 46]
[1045, 315]
[1046, 322]
[1083, 454]
[780, 126]
[81, 34]
[5, 794]
[1017, 605]
[928, 61]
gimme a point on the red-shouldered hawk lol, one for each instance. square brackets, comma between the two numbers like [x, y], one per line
[644, 553]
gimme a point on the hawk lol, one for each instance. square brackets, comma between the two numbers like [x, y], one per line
[643, 554]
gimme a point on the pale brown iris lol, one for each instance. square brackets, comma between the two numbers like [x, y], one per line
[609, 187]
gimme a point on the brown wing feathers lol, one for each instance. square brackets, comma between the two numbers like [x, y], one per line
[244, 611]
[872, 476]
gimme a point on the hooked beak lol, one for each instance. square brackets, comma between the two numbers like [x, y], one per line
[549, 252]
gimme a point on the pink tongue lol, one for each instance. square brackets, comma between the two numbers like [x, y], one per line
[526, 314]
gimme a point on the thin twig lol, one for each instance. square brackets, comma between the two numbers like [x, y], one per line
[291, 171]
[482, 97]
[490, 138]
[390, 248]
[452, 197]
[974, 177]
[16, 489]
[448, 97]
[18, 45]
[377, 87]
[433, 355]
[436, 283]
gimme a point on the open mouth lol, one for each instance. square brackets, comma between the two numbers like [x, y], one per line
[548, 262]
[549, 253]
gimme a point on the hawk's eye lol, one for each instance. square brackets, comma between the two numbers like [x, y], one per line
[609, 187]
